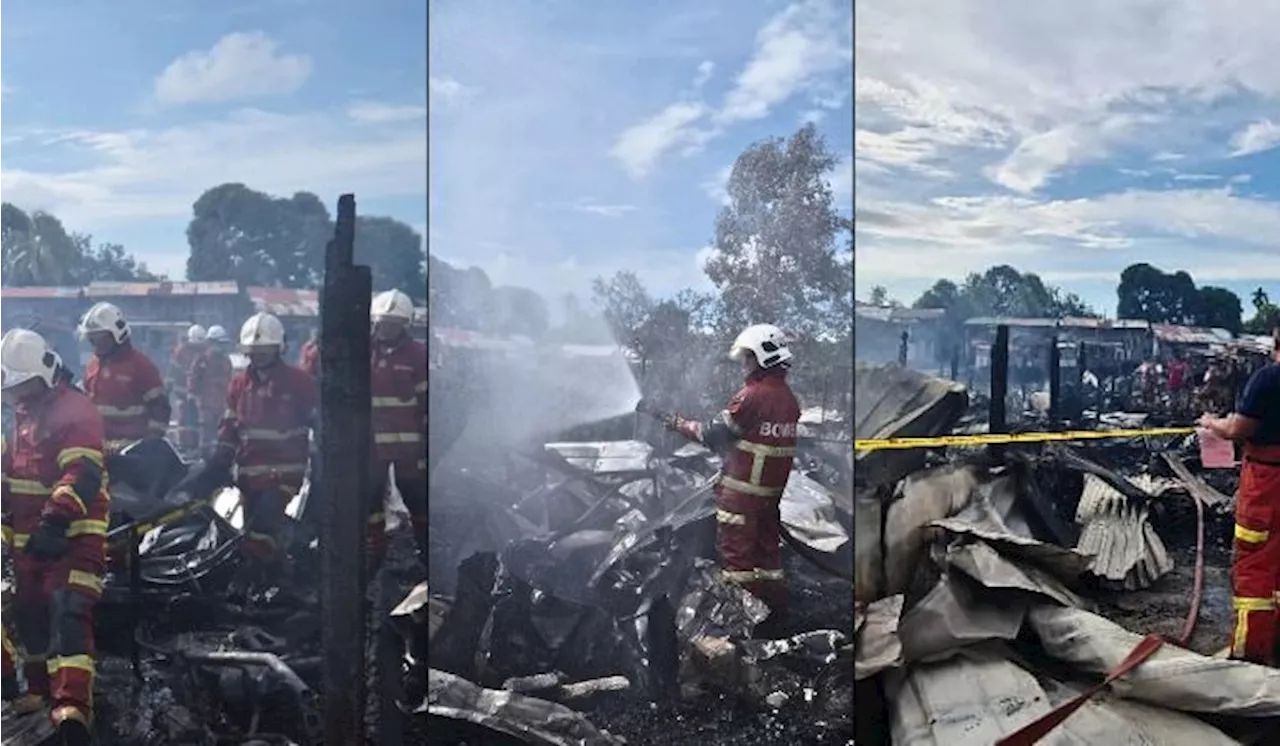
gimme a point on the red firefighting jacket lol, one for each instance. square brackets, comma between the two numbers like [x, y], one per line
[764, 416]
[180, 362]
[310, 358]
[209, 378]
[399, 385]
[265, 426]
[127, 389]
[54, 466]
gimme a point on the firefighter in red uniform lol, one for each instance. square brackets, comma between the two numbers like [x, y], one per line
[208, 381]
[270, 408]
[399, 385]
[1255, 567]
[756, 433]
[122, 382]
[56, 519]
[181, 362]
[309, 359]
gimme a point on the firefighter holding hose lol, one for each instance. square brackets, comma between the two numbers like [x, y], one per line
[1255, 567]
[756, 434]
[56, 508]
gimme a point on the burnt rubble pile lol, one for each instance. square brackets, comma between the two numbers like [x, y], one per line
[188, 653]
[575, 601]
[995, 587]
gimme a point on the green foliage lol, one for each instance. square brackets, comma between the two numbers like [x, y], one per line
[36, 249]
[1150, 294]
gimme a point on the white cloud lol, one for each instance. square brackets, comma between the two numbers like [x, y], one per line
[797, 51]
[445, 90]
[604, 211]
[158, 173]
[370, 112]
[640, 146]
[1256, 138]
[841, 183]
[798, 47]
[705, 70]
[240, 65]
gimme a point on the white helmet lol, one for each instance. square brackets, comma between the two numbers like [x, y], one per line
[104, 317]
[391, 305]
[25, 355]
[196, 334]
[218, 334]
[262, 330]
[766, 342]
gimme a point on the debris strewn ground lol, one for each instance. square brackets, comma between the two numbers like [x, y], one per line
[997, 586]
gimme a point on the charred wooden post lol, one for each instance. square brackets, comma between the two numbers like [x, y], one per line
[1055, 380]
[955, 363]
[903, 348]
[345, 438]
[997, 416]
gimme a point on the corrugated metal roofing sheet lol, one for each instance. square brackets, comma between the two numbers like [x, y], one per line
[1069, 323]
[286, 302]
[41, 293]
[1175, 334]
[140, 289]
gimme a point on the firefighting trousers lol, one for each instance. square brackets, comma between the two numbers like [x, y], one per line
[413, 490]
[210, 412]
[749, 539]
[264, 520]
[189, 429]
[1255, 567]
[54, 603]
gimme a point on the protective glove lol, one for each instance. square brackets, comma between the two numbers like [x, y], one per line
[673, 422]
[49, 541]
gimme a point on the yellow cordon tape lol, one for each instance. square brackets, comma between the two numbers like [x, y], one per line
[968, 441]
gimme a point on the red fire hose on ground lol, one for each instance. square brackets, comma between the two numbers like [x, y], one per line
[1032, 732]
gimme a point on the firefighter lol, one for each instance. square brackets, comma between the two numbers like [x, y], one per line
[756, 432]
[309, 359]
[399, 385]
[1255, 567]
[207, 383]
[180, 362]
[122, 382]
[270, 408]
[56, 519]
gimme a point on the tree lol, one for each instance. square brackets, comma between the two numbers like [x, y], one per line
[393, 252]
[1266, 315]
[38, 250]
[625, 303]
[1151, 295]
[776, 256]
[879, 296]
[240, 234]
[1219, 308]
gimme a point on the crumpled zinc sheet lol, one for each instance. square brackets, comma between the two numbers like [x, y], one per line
[535, 720]
[1172, 677]
[979, 695]
[878, 647]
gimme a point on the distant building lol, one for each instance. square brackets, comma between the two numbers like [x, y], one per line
[878, 334]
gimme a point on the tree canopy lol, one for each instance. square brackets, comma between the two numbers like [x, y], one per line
[237, 233]
[1150, 294]
[36, 249]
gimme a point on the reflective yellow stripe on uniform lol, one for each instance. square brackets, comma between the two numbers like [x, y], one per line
[85, 580]
[386, 438]
[92, 455]
[28, 487]
[731, 519]
[1251, 536]
[81, 662]
[746, 488]
[68, 492]
[750, 576]
[117, 412]
[87, 527]
[420, 388]
[1243, 606]
[759, 452]
[389, 402]
[153, 394]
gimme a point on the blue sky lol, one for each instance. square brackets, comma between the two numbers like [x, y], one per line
[1069, 139]
[135, 108]
[570, 140]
